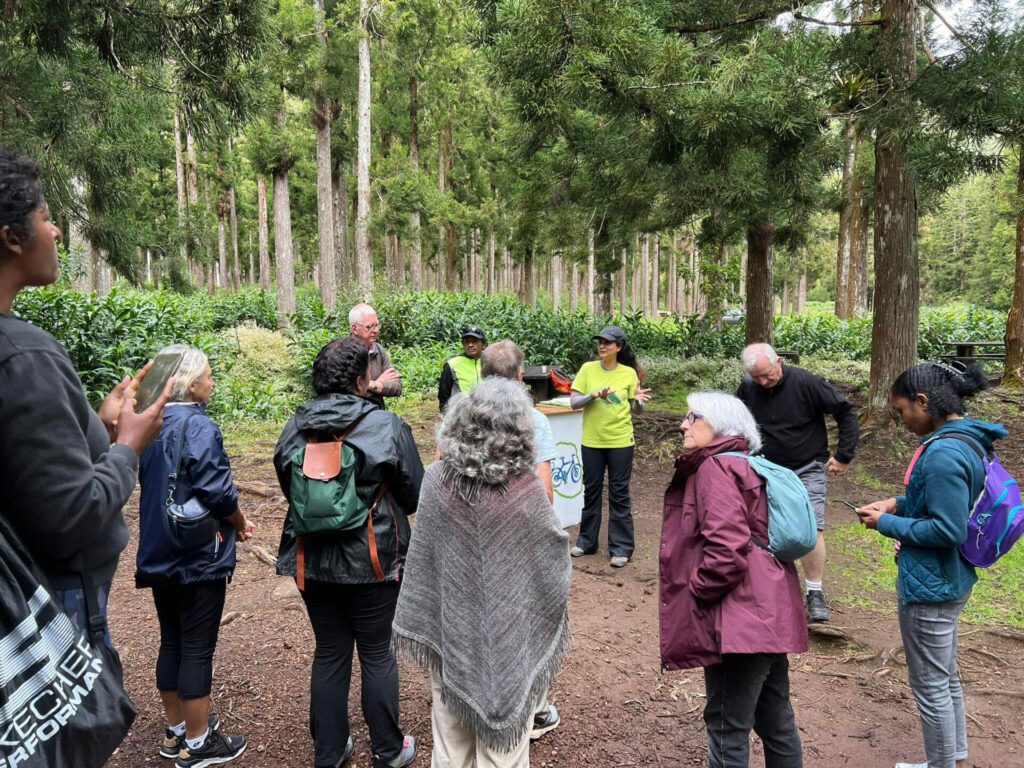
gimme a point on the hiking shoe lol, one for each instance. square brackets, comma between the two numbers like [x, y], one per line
[577, 552]
[217, 749]
[405, 757]
[619, 560]
[817, 608]
[544, 722]
[350, 749]
[172, 744]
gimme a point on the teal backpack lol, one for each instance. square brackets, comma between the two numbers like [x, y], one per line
[792, 528]
[323, 491]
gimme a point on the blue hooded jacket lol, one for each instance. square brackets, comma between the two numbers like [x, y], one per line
[931, 520]
[205, 474]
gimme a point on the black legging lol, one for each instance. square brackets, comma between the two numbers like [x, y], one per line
[189, 622]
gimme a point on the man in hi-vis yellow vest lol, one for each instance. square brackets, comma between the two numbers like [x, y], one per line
[462, 372]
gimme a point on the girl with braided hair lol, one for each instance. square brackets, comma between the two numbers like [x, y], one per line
[349, 580]
[928, 524]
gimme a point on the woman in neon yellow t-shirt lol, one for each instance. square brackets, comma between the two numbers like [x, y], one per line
[608, 390]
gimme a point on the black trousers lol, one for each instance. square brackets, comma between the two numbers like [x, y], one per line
[618, 463]
[189, 617]
[344, 615]
[750, 691]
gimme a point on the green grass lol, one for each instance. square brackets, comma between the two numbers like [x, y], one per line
[862, 562]
[240, 434]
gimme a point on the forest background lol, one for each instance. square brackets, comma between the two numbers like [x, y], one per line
[245, 170]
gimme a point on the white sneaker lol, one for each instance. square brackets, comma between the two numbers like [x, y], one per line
[619, 561]
[577, 552]
[911, 765]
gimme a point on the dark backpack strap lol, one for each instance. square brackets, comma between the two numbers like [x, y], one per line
[963, 437]
[172, 478]
[96, 625]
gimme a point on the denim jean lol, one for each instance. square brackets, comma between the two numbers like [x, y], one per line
[343, 616]
[73, 601]
[750, 691]
[929, 633]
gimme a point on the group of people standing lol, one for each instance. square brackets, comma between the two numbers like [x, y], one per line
[450, 593]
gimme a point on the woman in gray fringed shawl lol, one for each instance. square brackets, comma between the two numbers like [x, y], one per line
[486, 588]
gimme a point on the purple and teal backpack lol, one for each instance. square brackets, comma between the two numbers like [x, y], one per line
[996, 520]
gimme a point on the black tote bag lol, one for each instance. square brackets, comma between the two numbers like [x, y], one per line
[62, 704]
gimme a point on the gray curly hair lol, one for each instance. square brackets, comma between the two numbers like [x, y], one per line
[487, 436]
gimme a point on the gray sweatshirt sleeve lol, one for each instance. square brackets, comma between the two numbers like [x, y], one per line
[394, 388]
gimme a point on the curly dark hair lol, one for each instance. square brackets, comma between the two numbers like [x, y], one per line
[20, 191]
[945, 386]
[338, 366]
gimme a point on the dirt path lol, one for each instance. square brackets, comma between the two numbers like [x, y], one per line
[618, 709]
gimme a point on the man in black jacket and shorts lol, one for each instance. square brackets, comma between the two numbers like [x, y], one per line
[789, 405]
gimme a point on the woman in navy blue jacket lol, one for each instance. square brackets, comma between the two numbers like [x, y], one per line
[189, 580]
[930, 523]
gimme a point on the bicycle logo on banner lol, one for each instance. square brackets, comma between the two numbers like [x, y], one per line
[567, 471]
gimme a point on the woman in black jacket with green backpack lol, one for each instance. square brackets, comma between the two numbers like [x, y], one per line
[350, 503]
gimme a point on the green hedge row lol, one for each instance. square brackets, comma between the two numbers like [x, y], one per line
[108, 337]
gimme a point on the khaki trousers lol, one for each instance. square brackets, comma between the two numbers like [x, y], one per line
[458, 747]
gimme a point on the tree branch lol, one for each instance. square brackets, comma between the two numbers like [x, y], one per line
[823, 22]
[750, 18]
[931, 7]
[924, 38]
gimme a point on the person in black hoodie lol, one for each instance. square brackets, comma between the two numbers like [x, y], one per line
[189, 576]
[65, 470]
[350, 580]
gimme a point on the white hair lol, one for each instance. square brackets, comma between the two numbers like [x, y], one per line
[754, 352]
[192, 366]
[727, 415]
[358, 312]
[488, 435]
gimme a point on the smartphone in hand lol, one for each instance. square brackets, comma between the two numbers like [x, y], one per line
[164, 366]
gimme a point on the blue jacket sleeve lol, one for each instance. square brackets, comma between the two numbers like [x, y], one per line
[208, 468]
[947, 500]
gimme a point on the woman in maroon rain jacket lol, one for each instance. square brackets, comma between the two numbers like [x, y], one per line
[727, 605]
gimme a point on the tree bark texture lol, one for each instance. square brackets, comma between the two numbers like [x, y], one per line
[591, 269]
[897, 287]
[364, 257]
[179, 169]
[656, 276]
[415, 237]
[320, 115]
[851, 256]
[236, 271]
[645, 275]
[343, 265]
[760, 299]
[264, 235]
[1013, 370]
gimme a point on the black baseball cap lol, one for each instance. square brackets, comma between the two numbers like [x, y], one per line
[612, 333]
[474, 331]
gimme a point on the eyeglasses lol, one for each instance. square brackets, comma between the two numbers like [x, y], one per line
[691, 417]
[369, 326]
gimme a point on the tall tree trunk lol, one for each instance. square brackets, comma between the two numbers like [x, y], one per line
[897, 290]
[656, 276]
[264, 235]
[364, 257]
[284, 257]
[343, 266]
[528, 286]
[1013, 370]
[416, 260]
[222, 244]
[556, 280]
[320, 115]
[446, 237]
[206, 234]
[591, 275]
[574, 286]
[801, 295]
[671, 284]
[645, 275]
[179, 170]
[236, 272]
[851, 256]
[623, 282]
[760, 235]
[786, 306]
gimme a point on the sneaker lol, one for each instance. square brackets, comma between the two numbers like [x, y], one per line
[817, 608]
[350, 749]
[405, 757]
[544, 722]
[911, 765]
[173, 744]
[577, 552]
[619, 560]
[217, 749]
